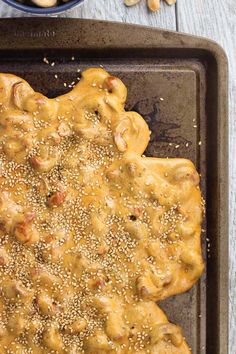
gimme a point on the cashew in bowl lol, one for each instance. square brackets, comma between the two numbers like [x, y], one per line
[45, 3]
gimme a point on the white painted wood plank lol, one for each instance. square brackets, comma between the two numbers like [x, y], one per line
[217, 20]
[112, 10]
[8, 11]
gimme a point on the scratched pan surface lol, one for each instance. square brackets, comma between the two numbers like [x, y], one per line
[178, 83]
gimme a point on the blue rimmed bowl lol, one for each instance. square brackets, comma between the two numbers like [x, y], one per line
[35, 10]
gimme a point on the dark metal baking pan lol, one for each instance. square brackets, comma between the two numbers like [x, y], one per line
[179, 85]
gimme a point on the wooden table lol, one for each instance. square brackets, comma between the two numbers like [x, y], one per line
[210, 18]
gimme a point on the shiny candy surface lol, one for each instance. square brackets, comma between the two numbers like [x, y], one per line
[92, 232]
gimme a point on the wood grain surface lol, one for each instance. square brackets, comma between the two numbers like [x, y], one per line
[215, 19]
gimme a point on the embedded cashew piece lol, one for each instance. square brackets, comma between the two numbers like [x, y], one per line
[4, 257]
[52, 338]
[167, 331]
[16, 324]
[56, 199]
[77, 326]
[146, 288]
[43, 165]
[24, 231]
[115, 326]
[136, 229]
[97, 342]
[46, 304]
[14, 291]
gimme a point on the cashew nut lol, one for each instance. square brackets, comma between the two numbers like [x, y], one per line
[153, 5]
[131, 2]
[45, 3]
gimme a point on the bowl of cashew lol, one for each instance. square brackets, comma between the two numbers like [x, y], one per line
[43, 7]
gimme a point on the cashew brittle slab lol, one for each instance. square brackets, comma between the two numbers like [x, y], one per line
[91, 232]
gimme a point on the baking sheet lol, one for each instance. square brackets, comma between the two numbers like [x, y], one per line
[178, 83]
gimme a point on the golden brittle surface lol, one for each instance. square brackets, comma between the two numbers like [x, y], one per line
[92, 233]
